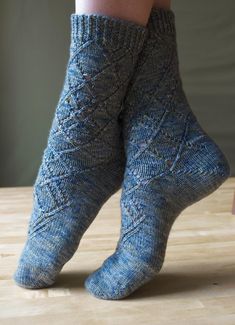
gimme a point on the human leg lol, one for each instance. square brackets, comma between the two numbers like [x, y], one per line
[83, 163]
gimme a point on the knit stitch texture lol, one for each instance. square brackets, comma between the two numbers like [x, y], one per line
[83, 163]
[171, 164]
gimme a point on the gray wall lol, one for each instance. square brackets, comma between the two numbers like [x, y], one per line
[35, 37]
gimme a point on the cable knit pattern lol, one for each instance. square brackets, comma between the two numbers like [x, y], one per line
[83, 163]
[171, 164]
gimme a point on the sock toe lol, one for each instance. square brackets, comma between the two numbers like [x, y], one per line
[118, 277]
[32, 278]
[96, 286]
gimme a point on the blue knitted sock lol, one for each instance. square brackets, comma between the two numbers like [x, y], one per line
[83, 163]
[171, 163]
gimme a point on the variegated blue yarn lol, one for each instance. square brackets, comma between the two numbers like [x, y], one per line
[83, 163]
[171, 164]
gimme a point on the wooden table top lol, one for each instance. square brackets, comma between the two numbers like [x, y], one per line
[195, 286]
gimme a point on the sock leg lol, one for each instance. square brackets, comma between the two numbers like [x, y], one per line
[83, 163]
[171, 163]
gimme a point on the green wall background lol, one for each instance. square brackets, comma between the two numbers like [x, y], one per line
[35, 37]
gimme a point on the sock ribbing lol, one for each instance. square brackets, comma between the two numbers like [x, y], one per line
[161, 22]
[107, 30]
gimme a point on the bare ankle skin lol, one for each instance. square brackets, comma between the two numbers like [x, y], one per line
[132, 10]
[163, 4]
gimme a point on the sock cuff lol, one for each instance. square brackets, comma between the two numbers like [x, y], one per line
[161, 21]
[107, 30]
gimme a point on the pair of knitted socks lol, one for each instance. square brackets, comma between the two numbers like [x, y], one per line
[122, 86]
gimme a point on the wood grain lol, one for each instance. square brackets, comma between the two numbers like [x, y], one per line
[195, 286]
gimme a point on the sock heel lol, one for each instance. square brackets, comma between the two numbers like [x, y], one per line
[203, 172]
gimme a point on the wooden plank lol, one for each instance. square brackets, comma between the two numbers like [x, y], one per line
[195, 286]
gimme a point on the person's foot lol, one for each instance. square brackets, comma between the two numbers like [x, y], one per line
[171, 163]
[83, 163]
